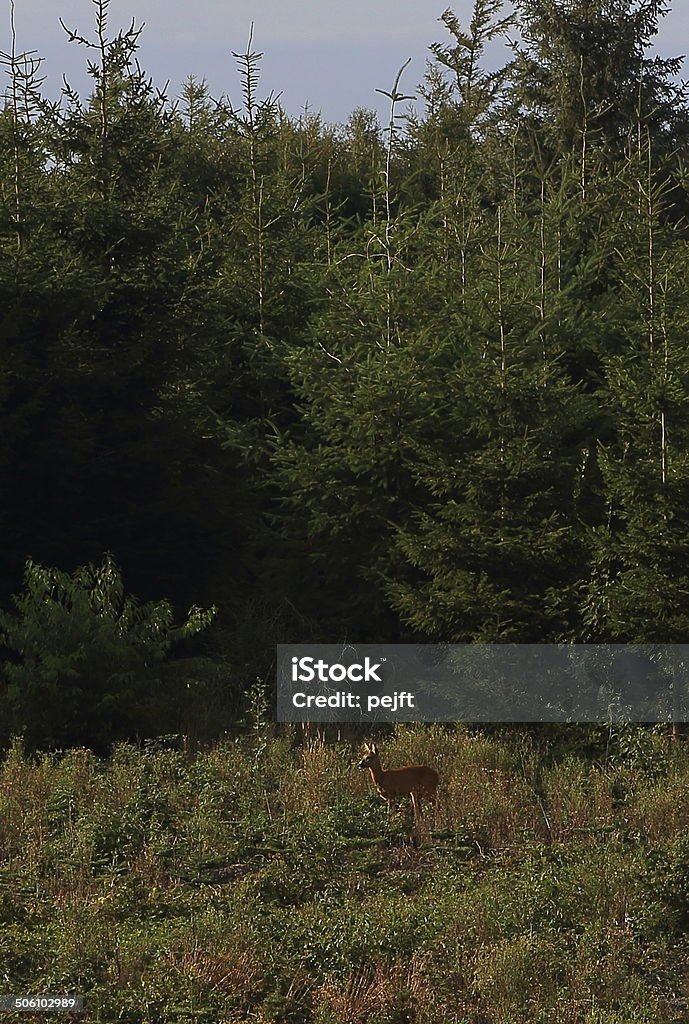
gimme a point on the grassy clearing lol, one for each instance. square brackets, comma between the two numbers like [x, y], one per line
[265, 883]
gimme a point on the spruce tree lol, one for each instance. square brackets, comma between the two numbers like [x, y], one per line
[639, 589]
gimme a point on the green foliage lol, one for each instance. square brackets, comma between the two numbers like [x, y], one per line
[166, 887]
[412, 383]
[584, 72]
[664, 889]
[84, 662]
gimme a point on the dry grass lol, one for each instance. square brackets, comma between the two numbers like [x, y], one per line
[263, 882]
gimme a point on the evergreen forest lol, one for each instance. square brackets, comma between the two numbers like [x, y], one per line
[268, 379]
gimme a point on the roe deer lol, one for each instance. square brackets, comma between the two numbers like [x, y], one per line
[417, 780]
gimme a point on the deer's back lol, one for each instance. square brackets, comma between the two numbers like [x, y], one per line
[416, 778]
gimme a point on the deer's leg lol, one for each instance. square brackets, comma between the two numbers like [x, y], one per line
[415, 805]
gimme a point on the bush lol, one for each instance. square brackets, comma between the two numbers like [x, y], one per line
[85, 664]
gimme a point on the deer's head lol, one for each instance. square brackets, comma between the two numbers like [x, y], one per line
[370, 756]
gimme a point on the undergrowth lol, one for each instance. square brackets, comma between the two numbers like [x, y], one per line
[263, 881]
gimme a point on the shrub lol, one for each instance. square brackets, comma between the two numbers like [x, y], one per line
[86, 665]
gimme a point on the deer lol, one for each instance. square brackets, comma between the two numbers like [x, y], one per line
[416, 780]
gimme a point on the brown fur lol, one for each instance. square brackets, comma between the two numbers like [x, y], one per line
[415, 781]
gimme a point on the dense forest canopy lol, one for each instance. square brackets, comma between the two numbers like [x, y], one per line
[424, 381]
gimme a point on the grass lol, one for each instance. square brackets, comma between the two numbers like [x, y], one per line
[262, 882]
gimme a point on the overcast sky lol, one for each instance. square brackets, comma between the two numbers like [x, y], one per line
[330, 55]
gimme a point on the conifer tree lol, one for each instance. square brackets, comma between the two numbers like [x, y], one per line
[100, 317]
[584, 75]
[492, 553]
[639, 589]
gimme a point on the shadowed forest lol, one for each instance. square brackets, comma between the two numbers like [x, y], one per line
[413, 382]
[266, 379]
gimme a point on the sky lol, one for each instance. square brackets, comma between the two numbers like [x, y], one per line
[331, 56]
